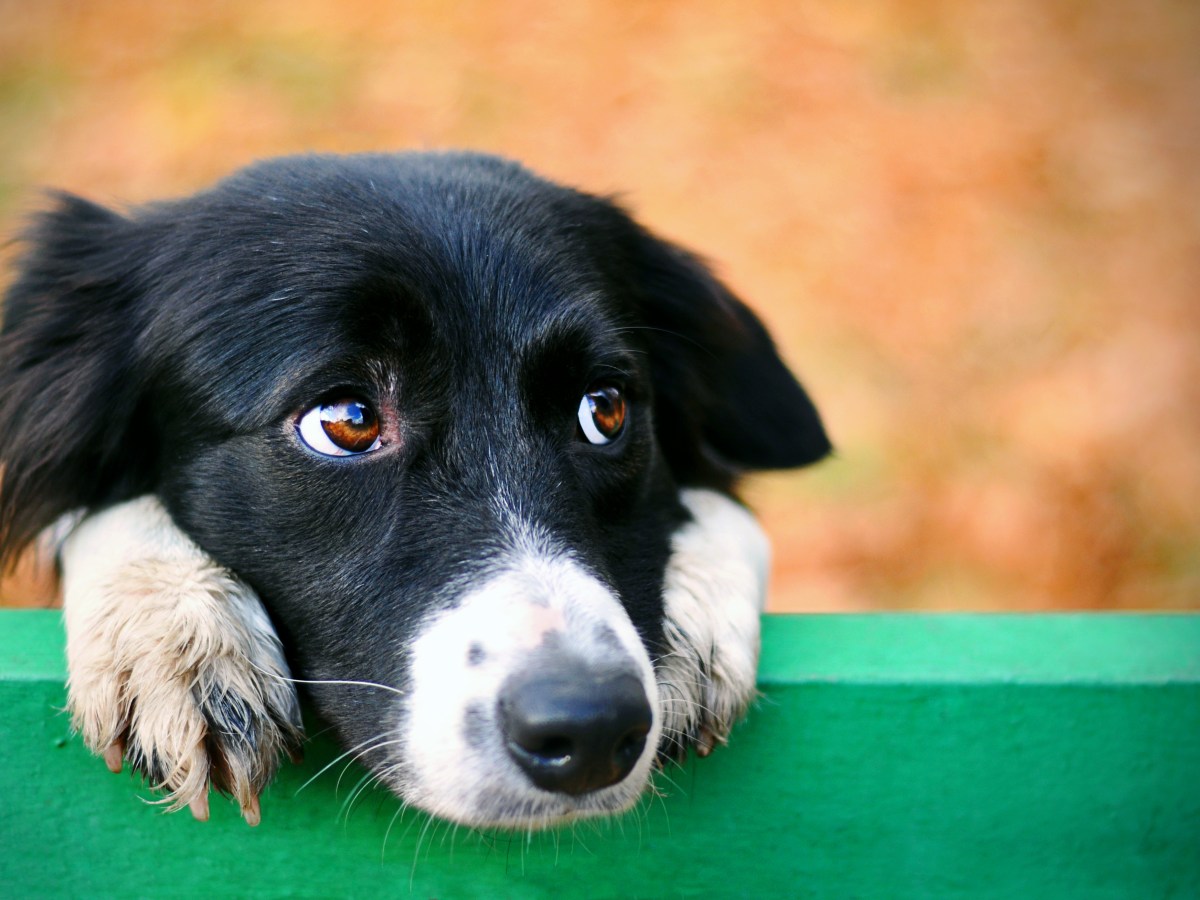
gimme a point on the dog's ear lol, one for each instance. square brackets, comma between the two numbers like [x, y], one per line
[725, 402]
[67, 400]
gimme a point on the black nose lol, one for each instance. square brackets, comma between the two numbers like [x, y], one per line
[575, 730]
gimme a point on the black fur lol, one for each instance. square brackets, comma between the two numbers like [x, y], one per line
[172, 350]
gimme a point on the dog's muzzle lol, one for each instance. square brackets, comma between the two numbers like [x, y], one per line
[532, 701]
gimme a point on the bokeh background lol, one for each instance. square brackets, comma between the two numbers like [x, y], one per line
[974, 228]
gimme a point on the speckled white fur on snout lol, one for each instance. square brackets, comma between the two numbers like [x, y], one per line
[457, 763]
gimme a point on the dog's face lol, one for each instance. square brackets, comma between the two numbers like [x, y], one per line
[441, 415]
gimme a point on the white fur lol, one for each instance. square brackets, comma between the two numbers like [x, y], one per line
[154, 627]
[714, 592]
[507, 618]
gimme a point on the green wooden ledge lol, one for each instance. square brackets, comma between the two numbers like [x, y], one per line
[890, 756]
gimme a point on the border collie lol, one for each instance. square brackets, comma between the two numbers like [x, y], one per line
[453, 444]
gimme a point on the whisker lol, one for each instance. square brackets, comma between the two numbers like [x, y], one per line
[368, 780]
[668, 331]
[353, 750]
[399, 809]
[661, 798]
[412, 875]
[370, 684]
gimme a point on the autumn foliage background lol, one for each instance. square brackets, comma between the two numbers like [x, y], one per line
[974, 228]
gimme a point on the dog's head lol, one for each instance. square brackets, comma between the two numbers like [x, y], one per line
[442, 415]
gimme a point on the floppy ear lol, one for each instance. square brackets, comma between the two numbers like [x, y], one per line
[67, 402]
[725, 400]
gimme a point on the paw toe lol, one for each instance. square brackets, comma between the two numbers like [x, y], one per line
[245, 738]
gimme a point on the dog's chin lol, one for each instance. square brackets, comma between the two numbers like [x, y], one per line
[515, 806]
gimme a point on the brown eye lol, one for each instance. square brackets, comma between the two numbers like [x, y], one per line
[342, 428]
[602, 413]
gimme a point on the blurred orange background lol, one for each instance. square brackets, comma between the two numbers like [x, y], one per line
[974, 228]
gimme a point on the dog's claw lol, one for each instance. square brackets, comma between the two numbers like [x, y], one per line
[705, 741]
[251, 811]
[199, 808]
[114, 756]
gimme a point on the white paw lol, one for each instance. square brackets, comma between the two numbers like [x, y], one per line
[713, 595]
[173, 662]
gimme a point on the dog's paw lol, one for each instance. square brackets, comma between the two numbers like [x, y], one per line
[173, 663]
[713, 595]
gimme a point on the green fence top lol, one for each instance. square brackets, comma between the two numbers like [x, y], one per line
[889, 756]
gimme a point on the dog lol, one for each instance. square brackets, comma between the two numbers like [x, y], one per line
[454, 444]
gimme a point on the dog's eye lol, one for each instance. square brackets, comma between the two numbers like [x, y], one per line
[602, 413]
[342, 428]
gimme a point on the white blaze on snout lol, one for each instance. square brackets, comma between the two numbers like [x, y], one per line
[458, 764]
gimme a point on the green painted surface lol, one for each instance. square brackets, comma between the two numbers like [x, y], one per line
[1046, 649]
[891, 756]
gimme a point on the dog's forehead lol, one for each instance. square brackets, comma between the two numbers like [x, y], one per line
[436, 223]
[320, 258]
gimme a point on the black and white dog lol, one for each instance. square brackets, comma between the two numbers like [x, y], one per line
[456, 443]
